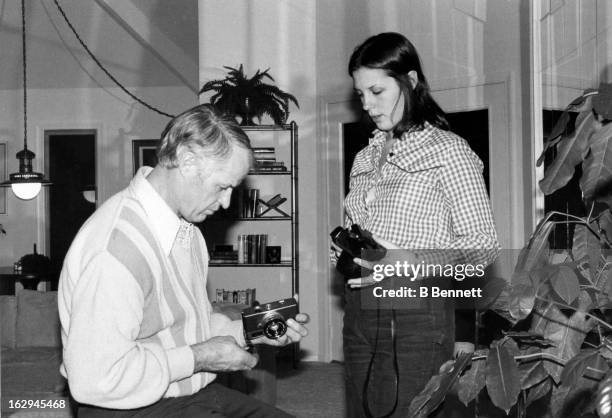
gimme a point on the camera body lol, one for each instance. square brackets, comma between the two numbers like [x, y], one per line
[355, 243]
[268, 319]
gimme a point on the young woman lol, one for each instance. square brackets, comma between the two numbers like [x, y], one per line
[417, 187]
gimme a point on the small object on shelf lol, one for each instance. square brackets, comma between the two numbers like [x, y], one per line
[35, 263]
[243, 296]
[223, 253]
[252, 248]
[252, 203]
[260, 168]
[273, 204]
[273, 254]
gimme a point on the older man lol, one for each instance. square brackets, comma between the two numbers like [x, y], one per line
[138, 331]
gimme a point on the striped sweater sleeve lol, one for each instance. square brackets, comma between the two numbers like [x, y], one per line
[103, 360]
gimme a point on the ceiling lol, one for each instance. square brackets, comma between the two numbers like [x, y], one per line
[142, 43]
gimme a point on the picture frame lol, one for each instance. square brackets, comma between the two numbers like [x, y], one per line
[3, 177]
[144, 153]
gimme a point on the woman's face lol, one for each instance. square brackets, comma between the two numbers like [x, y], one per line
[381, 96]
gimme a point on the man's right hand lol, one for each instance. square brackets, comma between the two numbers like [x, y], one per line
[221, 354]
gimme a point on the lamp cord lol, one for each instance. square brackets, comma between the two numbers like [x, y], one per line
[93, 57]
[25, 96]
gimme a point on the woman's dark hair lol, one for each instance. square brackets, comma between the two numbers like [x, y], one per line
[396, 55]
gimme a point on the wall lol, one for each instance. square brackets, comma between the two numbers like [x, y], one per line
[66, 89]
[279, 35]
[471, 51]
[109, 111]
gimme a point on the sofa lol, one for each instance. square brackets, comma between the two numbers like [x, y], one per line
[31, 356]
[31, 384]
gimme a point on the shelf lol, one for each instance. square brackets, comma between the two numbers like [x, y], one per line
[281, 264]
[280, 220]
[269, 173]
[262, 218]
[286, 127]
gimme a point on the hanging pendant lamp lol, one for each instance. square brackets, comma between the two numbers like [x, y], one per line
[26, 183]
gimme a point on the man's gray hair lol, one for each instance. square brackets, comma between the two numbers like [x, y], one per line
[202, 129]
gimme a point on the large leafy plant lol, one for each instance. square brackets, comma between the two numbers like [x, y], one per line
[559, 348]
[249, 98]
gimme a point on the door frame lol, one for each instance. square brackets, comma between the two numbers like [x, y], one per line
[40, 140]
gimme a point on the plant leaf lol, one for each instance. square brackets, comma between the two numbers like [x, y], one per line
[602, 101]
[529, 338]
[557, 400]
[586, 245]
[532, 374]
[580, 393]
[596, 180]
[567, 334]
[472, 382]
[502, 377]
[555, 135]
[574, 369]
[538, 391]
[522, 297]
[535, 254]
[570, 151]
[605, 224]
[565, 284]
[579, 104]
[437, 387]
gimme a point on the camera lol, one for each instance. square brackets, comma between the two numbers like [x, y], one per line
[355, 243]
[268, 319]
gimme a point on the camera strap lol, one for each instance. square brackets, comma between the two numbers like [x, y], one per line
[366, 403]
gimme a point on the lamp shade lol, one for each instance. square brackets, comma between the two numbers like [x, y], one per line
[89, 193]
[26, 191]
[26, 183]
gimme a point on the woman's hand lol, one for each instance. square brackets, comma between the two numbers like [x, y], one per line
[391, 258]
[334, 254]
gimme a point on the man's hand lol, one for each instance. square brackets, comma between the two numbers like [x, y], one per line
[221, 354]
[295, 332]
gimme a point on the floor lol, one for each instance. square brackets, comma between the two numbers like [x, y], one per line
[313, 390]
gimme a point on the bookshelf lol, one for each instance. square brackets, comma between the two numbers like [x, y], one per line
[254, 243]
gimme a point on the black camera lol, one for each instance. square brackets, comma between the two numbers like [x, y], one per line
[268, 319]
[355, 243]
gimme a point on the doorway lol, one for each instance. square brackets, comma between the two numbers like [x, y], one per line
[72, 168]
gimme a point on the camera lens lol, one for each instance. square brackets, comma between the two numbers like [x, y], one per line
[274, 325]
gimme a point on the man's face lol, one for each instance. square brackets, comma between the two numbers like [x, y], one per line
[209, 184]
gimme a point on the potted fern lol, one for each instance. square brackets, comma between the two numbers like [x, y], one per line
[249, 98]
[562, 355]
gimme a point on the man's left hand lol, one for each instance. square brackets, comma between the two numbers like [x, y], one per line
[295, 332]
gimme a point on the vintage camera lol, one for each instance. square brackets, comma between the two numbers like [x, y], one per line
[355, 243]
[268, 319]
